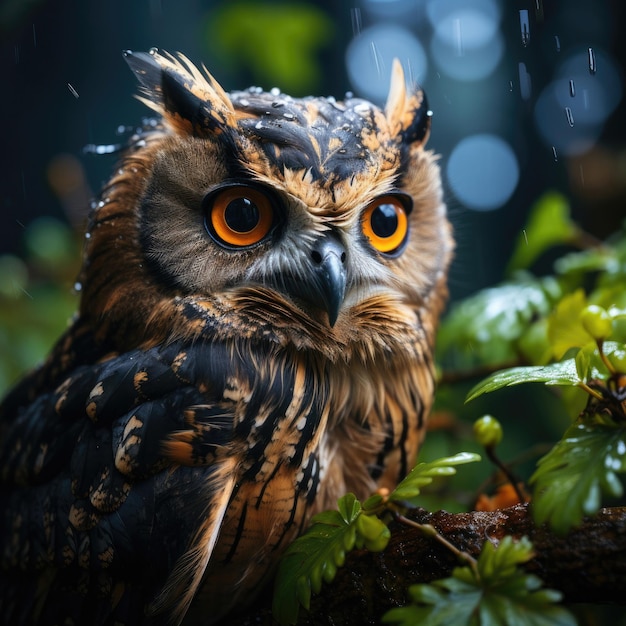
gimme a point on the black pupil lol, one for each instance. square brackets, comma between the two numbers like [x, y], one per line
[384, 220]
[241, 215]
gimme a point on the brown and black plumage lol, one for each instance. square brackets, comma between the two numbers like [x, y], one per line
[261, 285]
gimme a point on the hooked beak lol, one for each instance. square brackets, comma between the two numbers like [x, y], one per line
[325, 287]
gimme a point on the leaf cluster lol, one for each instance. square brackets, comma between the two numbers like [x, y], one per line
[582, 352]
[530, 319]
[493, 592]
[314, 557]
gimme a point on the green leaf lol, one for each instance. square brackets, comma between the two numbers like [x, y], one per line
[565, 329]
[549, 224]
[372, 533]
[593, 260]
[496, 592]
[278, 43]
[571, 479]
[486, 329]
[314, 557]
[348, 506]
[435, 605]
[562, 373]
[502, 560]
[589, 363]
[424, 473]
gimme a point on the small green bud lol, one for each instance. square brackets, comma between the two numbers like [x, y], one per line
[596, 321]
[488, 431]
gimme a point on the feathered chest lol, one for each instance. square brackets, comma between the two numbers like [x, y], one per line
[304, 432]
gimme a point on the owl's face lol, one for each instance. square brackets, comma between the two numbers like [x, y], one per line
[303, 221]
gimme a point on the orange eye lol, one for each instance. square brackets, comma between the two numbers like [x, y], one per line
[385, 223]
[239, 216]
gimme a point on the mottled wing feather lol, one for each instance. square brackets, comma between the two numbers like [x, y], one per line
[95, 509]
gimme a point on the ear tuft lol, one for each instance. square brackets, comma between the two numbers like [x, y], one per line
[190, 102]
[407, 112]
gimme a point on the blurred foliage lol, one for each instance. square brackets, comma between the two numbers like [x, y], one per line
[37, 296]
[567, 331]
[277, 42]
[510, 322]
[549, 224]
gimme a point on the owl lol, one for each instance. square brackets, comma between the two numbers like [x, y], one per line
[261, 283]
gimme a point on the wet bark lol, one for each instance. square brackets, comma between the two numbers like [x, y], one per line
[588, 565]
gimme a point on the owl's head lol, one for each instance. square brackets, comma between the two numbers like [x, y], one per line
[308, 221]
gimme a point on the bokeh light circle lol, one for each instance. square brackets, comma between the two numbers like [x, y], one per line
[470, 63]
[466, 42]
[571, 110]
[483, 172]
[370, 55]
[439, 10]
[466, 28]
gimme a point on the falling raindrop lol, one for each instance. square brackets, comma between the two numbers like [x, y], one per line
[511, 86]
[582, 175]
[376, 58]
[572, 88]
[592, 61]
[557, 43]
[539, 10]
[524, 27]
[34, 36]
[525, 83]
[458, 38]
[554, 153]
[73, 91]
[17, 54]
[570, 116]
[355, 14]
[78, 287]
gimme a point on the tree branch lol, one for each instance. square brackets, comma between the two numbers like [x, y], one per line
[588, 565]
